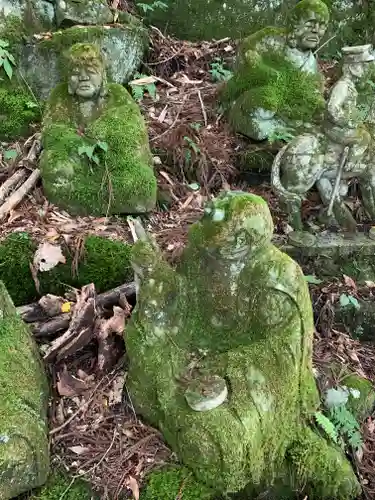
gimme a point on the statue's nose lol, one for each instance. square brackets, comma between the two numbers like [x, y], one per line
[83, 76]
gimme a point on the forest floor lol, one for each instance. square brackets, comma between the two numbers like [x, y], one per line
[94, 435]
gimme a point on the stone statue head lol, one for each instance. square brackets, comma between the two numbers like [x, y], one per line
[357, 61]
[234, 225]
[307, 24]
[86, 72]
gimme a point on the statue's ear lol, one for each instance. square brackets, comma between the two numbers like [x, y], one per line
[70, 90]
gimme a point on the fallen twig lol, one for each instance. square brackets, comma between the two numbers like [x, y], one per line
[19, 194]
[31, 313]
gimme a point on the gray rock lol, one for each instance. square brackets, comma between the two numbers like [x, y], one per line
[70, 12]
[42, 65]
[38, 15]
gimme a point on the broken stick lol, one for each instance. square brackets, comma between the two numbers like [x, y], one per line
[18, 176]
[35, 312]
[19, 194]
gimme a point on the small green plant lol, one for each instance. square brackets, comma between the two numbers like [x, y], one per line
[93, 151]
[218, 72]
[144, 84]
[6, 59]
[312, 280]
[348, 300]
[284, 134]
[347, 426]
[196, 126]
[151, 7]
[327, 426]
[10, 154]
[339, 423]
[192, 147]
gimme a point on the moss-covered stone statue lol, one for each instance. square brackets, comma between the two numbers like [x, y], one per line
[220, 355]
[24, 456]
[276, 83]
[96, 158]
[341, 150]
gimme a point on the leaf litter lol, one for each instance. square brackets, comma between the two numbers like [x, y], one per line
[94, 430]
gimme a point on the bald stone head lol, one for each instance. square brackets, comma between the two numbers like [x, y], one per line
[86, 72]
[307, 24]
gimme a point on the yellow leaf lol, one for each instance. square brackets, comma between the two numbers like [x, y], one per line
[66, 307]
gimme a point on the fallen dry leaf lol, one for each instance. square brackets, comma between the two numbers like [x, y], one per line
[349, 282]
[68, 385]
[115, 394]
[79, 450]
[47, 256]
[132, 484]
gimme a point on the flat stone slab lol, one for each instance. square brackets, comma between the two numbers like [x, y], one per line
[326, 243]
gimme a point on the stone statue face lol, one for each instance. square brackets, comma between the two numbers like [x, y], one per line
[309, 31]
[85, 82]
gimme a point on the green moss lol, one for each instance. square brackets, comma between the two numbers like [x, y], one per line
[363, 406]
[167, 484]
[18, 111]
[124, 182]
[238, 308]
[104, 262]
[304, 7]
[61, 41]
[24, 456]
[83, 54]
[270, 81]
[321, 468]
[59, 485]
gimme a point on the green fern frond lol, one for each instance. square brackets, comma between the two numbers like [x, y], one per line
[327, 426]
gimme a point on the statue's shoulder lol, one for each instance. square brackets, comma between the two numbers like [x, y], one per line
[118, 97]
[267, 39]
[58, 105]
[280, 272]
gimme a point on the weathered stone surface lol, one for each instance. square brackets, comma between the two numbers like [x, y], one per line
[352, 21]
[337, 152]
[70, 12]
[276, 83]
[36, 15]
[84, 113]
[24, 456]
[42, 61]
[239, 309]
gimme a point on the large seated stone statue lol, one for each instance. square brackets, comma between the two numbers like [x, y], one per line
[220, 357]
[342, 149]
[276, 83]
[84, 112]
[24, 455]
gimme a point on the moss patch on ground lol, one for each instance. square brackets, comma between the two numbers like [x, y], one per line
[104, 262]
[168, 484]
[59, 486]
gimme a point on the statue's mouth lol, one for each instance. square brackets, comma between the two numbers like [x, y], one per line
[313, 39]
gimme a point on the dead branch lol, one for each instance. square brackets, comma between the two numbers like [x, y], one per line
[18, 176]
[80, 331]
[19, 194]
[31, 313]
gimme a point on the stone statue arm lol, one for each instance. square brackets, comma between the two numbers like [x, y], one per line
[335, 111]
